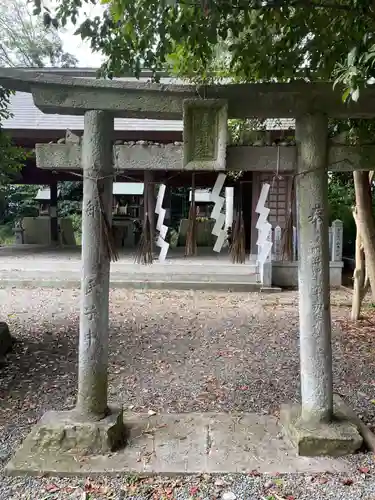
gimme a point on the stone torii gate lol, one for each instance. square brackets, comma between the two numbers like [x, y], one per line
[93, 426]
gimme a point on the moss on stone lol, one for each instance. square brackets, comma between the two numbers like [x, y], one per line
[337, 438]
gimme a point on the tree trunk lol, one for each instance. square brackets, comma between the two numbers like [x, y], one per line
[365, 223]
[359, 274]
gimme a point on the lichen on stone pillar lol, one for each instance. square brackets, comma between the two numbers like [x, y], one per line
[313, 251]
[93, 338]
[316, 427]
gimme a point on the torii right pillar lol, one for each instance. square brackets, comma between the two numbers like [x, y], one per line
[317, 426]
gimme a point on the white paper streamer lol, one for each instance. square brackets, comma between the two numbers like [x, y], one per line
[264, 241]
[160, 211]
[219, 228]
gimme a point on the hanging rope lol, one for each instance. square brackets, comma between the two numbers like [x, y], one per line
[276, 176]
[106, 226]
[144, 250]
[191, 234]
[287, 231]
[238, 250]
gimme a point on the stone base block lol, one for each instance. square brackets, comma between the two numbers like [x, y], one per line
[186, 443]
[63, 432]
[337, 438]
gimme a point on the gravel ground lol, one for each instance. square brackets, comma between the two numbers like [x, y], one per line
[178, 352]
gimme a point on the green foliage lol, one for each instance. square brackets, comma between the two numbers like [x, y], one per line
[245, 131]
[76, 219]
[16, 202]
[179, 205]
[11, 156]
[341, 193]
[358, 70]
[25, 41]
[4, 103]
[70, 204]
[6, 235]
[70, 198]
[341, 197]
[248, 40]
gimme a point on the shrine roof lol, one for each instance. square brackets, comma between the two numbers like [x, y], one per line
[26, 116]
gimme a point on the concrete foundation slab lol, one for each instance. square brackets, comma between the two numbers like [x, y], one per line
[184, 444]
[337, 438]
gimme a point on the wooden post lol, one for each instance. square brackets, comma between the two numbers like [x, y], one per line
[53, 213]
[151, 203]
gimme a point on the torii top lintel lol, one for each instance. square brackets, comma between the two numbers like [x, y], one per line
[73, 96]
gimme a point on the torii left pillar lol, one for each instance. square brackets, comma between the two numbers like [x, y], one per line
[93, 329]
[97, 166]
[93, 427]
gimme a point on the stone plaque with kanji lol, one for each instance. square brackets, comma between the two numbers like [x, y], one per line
[205, 134]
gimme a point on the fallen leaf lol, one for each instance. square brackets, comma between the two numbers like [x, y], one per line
[347, 482]
[193, 490]
[255, 473]
[91, 487]
[275, 496]
[70, 489]
[364, 470]
[52, 488]
[323, 480]
[151, 413]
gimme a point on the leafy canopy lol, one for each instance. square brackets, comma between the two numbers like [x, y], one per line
[262, 40]
[25, 41]
[11, 156]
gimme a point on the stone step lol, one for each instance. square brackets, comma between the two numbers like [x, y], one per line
[224, 286]
[249, 277]
[132, 268]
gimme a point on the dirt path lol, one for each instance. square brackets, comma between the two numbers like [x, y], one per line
[173, 352]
